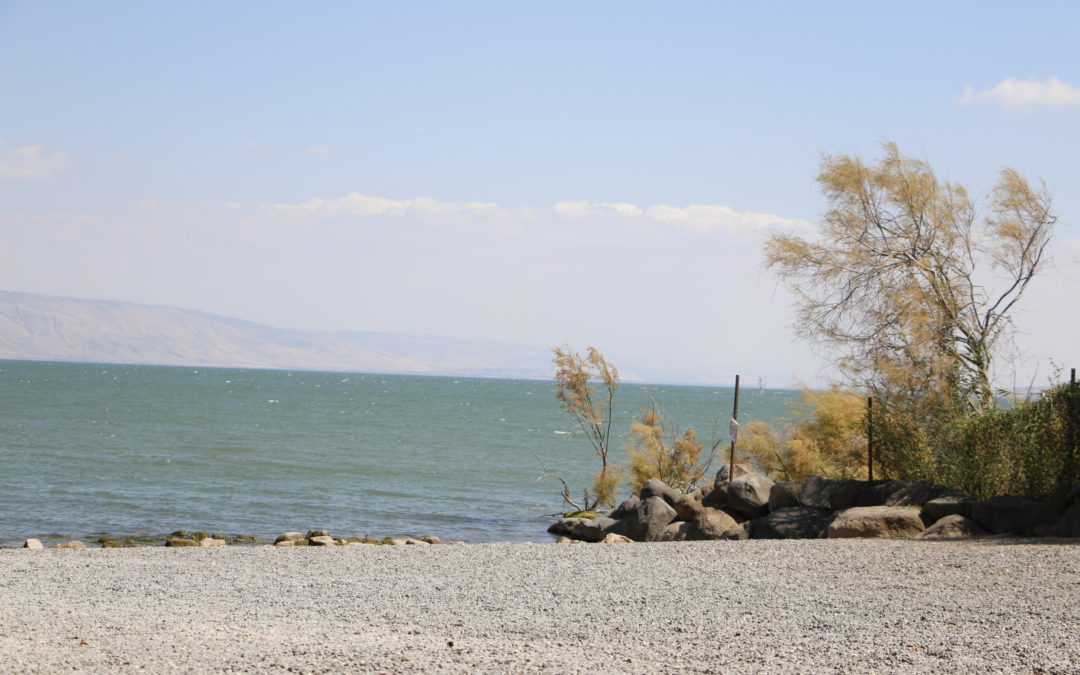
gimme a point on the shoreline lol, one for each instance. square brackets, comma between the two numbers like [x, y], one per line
[865, 605]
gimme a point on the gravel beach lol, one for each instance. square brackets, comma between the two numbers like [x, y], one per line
[850, 606]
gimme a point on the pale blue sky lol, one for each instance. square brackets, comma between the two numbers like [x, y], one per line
[173, 154]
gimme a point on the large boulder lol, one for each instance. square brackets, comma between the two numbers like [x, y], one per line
[209, 542]
[784, 494]
[562, 527]
[658, 488]
[953, 526]
[792, 522]
[717, 497]
[710, 524]
[905, 493]
[650, 518]
[591, 529]
[749, 495]
[1012, 514]
[321, 540]
[33, 543]
[1072, 498]
[616, 539]
[739, 470]
[936, 509]
[876, 521]
[1069, 523]
[689, 505]
[847, 494]
[678, 530]
[817, 492]
[625, 509]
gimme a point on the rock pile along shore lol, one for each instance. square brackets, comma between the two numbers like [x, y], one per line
[751, 506]
[184, 539]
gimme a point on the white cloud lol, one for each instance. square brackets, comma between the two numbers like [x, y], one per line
[30, 161]
[360, 205]
[580, 209]
[717, 218]
[1021, 93]
[598, 216]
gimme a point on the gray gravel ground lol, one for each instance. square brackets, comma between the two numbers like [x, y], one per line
[821, 606]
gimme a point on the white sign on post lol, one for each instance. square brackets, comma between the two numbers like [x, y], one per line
[733, 429]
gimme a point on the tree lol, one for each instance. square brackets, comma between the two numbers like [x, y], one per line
[591, 412]
[897, 284]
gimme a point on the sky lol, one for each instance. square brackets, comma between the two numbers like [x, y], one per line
[597, 173]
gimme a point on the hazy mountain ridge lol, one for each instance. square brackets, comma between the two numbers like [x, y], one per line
[41, 327]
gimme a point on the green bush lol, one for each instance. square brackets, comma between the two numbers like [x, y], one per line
[1031, 449]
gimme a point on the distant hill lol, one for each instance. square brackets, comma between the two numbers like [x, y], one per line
[47, 328]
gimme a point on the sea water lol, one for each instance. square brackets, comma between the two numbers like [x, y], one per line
[92, 449]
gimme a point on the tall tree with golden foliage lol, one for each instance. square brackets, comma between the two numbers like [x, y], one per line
[592, 411]
[897, 285]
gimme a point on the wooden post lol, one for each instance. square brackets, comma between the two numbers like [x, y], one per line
[870, 438]
[734, 427]
[1072, 377]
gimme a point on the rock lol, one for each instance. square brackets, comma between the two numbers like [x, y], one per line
[876, 521]
[417, 542]
[591, 530]
[613, 538]
[650, 518]
[180, 541]
[430, 539]
[936, 509]
[33, 543]
[1069, 523]
[658, 488]
[749, 495]
[722, 474]
[953, 526]
[792, 522]
[817, 492]
[676, 531]
[246, 538]
[710, 524]
[625, 509]
[290, 536]
[183, 534]
[321, 540]
[737, 532]
[208, 542]
[847, 494]
[717, 497]
[1017, 515]
[318, 533]
[1073, 496]
[564, 540]
[563, 526]
[199, 536]
[905, 493]
[285, 542]
[784, 494]
[689, 505]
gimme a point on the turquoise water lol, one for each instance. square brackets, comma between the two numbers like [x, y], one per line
[87, 449]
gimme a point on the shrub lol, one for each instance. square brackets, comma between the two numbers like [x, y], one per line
[675, 460]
